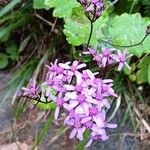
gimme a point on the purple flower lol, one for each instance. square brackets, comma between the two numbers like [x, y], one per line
[93, 8]
[121, 58]
[32, 90]
[80, 93]
[106, 57]
[98, 129]
[78, 129]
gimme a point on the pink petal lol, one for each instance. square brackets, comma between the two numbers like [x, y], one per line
[64, 66]
[99, 122]
[127, 66]
[75, 63]
[129, 56]
[104, 60]
[105, 103]
[80, 133]
[69, 87]
[71, 95]
[103, 115]
[79, 78]
[98, 130]
[120, 66]
[86, 108]
[111, 125]
[79, 110]
[56, 112]
[90, 7]
[86, 119]
[107, 80]
[73, 133]
[92, 101]
[89, 143]
[104, 137]
[81, 66]
[90, 74]
[73, 104]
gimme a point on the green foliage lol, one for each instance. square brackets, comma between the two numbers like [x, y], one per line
[62, 8]
[143, 72]
[45, 130]
[6, 29]
[3, 60]
[12, 50]
[146, 7]
[46, 106]
[9, 7]
[77, 28]
[39, 4]
[130, 29]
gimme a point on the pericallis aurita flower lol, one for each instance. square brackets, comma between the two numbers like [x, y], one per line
[108, 57]
[83, 96]
[93, 7]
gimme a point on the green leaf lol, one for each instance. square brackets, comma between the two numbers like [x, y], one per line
[39, 4]
[63, 8]
[8, 7]
[130, 29]
[3, 60]
[77, 28]
[142, 73]
[5, 31]
[11, 49]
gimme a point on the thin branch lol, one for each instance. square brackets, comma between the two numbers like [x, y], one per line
[41, 18]
[90, 35]
[126, 46]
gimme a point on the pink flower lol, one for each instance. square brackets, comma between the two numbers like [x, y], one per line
[121, 58]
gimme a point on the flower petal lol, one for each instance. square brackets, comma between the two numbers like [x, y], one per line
[86, 108]
[73, 133]
[120, 66]
[111, 125]
[64, 66]
[71, 95]
[89, 142]
[81, 66]
[56, 112]
[69, 87]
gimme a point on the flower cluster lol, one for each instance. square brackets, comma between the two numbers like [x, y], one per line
[107, 57]
[93, 8]
[81, 94]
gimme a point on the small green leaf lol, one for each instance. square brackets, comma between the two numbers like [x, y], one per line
[11, 49]
[3, 60]
[132, 77]
[130, 29]
[142, 73]
[44, 106]
[62, 8]
[126, 70]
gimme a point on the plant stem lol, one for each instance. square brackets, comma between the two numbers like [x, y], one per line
[127, 46]
[91, 31]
